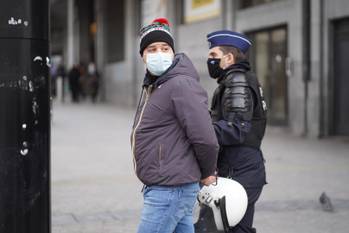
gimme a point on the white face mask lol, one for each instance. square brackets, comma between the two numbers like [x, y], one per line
[158, 63]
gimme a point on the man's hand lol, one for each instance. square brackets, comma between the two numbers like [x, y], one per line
[209, 180]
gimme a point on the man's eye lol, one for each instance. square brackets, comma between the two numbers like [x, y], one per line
[165, 49]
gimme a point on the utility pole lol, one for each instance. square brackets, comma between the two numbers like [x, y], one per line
[24, 117]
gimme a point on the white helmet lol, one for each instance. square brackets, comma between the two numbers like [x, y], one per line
[228, 201]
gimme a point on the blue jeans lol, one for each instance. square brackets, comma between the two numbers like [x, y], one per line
[168, 209]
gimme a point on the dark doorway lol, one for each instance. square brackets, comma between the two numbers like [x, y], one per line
[268, 56]
[341, 78]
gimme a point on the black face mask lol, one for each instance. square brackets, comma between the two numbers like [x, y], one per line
[214, 69]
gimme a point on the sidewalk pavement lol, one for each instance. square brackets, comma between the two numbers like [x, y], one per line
[95, 190]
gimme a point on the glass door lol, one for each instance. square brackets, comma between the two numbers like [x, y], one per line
[268, 56]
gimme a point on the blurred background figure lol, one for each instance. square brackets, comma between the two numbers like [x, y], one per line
[58, 76]
[61, 76]
[74, 83]
[92, 82]
[89, 81]
[83, 81]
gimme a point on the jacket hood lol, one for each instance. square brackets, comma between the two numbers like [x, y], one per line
[181, 66]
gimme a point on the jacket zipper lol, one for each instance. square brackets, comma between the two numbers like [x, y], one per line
[147, 94]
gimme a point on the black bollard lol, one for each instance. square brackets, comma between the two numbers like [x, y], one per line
[24, 117]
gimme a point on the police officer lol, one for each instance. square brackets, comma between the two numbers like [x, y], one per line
[238, 113]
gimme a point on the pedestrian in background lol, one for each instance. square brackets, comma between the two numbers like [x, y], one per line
[173, 141]
[74, 83]
[83, 81]
[61, 75]
[92, 81]
[238, 113]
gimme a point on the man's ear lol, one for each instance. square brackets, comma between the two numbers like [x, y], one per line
[230, 59]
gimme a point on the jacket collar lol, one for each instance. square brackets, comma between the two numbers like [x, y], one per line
[242, 66]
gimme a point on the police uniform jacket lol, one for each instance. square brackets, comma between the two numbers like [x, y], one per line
[238, 112]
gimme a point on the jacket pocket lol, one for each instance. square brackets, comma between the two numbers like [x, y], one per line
[162, 159]
[160, 154]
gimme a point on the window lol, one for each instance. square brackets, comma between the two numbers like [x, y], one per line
[268, 55]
